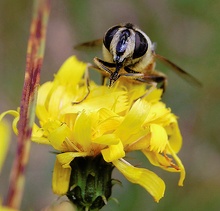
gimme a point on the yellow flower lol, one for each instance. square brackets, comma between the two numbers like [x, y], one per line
[110, 122]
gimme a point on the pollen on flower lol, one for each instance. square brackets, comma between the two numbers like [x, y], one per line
[103, 128]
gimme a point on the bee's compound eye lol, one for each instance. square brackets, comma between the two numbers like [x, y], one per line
[109, 36]
[141, 45]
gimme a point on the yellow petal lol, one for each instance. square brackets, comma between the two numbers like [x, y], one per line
[50, 126]
[147, 179]
[108, 139]
[58, 136]
[159, 139]
[175, 137]
[99, 99]
[15, 121]
[154, 96]
[167, 163]
[108, 122]
[159, 160]
[61, 177]
[66, 157]
[57, 101]
[113, 152]
[180, 165]
[105, 114]
[4, 141]
[42, 101]
[38, 135]
[70, 72]
[158, 114]
[40, 140]
[141, 142]
[82, 131]
[133, 121]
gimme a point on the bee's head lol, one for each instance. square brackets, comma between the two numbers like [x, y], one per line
[126, 43]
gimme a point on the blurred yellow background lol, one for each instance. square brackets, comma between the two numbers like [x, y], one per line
[186, 32]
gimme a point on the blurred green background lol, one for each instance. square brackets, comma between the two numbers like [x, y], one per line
[187, 32]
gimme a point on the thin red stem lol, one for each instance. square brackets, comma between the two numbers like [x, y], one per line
[35, 52]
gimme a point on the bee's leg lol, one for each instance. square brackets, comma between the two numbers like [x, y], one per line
[152, 79]
[104, 67]
[86, 77]
[104, 80]
[158, 78]
[108, 70]
[132, 74]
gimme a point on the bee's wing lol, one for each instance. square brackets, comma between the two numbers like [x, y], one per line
[88, 45]
[192, 80]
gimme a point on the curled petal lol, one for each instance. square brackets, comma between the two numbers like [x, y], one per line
[175, 137]
[15, 121]
[167, 163]
[147, 179]
[180, 165]
[61, 177]
[160, 160]
[113, 152]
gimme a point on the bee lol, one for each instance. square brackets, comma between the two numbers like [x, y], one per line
[129, 53]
